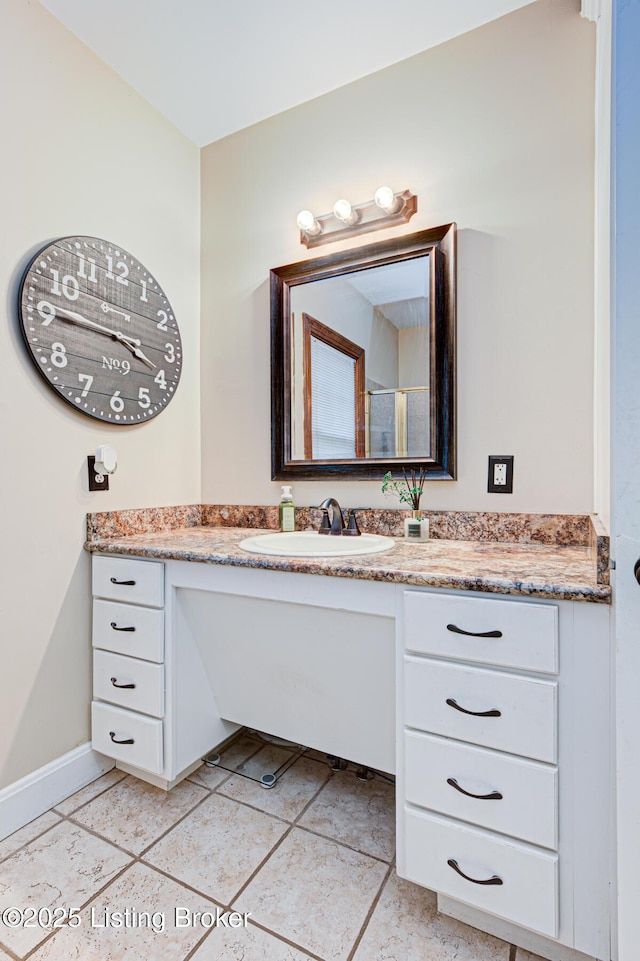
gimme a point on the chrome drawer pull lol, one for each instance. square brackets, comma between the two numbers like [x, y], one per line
[458, 630]
[494, 712]
[494, 880]
[112, 735]
[114, 681]
[494, 796]
[114, 580]
[116, 628]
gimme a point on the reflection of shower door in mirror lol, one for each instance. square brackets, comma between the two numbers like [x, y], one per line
[333, 393]
[397, 422]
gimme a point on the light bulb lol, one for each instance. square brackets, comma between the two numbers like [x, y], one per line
[343, 210]
[308, 223]
[384, 197]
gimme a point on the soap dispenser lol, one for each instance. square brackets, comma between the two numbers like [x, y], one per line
[287, 511]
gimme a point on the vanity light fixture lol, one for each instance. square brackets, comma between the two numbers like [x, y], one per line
[308, 223]
[387, 200]
[346, 220]
[343, 211]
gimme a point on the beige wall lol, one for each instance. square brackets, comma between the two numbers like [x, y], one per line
[82, 154]
[493, 130]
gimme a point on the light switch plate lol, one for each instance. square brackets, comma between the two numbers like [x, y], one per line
[500, 474]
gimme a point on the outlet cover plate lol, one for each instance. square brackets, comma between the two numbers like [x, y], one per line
[94, 483]
[500, 474]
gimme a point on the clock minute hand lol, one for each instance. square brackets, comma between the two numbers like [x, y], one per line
[129, 342]
[76, 318]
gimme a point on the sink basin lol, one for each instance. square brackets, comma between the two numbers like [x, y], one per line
[312, 544]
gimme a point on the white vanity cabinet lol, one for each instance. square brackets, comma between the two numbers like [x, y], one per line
[503, 765]
[152, 718]
[493, 711]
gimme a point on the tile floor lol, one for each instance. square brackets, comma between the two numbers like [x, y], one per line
[311, 861]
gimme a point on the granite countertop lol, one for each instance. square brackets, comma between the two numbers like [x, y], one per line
[564, 571]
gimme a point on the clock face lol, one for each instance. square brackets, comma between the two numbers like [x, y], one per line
[100, 330]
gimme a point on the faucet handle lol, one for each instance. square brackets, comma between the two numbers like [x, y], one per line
[352, 528]
[325, 524]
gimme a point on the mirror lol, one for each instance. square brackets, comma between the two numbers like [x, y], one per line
[363, 360]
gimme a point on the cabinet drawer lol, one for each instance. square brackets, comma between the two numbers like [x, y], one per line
[112, 675]
[129, 579]
[524, 721]
[144, 733]
[528, 633]
[125, 629]
[528, 894]
[526, 809]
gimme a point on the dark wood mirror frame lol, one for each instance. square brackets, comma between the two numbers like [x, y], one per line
[437, 242]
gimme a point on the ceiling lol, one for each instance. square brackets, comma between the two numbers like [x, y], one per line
[215, 66]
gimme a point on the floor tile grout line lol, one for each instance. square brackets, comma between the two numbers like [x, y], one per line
[261, 927]
[36, 838]
[293, 944]
[292, 825]
[81, 907]
[100, 837]
[160, 837]
[12, 954]
[197, 946]
[99, 794]
[217, 902]
[120, 847]
[192, 780]
[252, 807]
[253, 874]
[343, 844]
[369, 915]
[286, 834]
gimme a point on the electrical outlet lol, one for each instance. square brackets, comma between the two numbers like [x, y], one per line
[500, 474]
[97, 482]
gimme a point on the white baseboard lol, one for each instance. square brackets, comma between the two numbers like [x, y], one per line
[34, 794]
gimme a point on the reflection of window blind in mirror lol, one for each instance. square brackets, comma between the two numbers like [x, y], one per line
[418, 423]
[333, 412]
[382, 425]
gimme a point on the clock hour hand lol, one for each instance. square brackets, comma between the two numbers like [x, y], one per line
[129, 342]
[138, 353]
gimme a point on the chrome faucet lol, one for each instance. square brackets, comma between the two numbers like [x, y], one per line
[337, 522]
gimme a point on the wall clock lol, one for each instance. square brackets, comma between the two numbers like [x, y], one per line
[100, 330]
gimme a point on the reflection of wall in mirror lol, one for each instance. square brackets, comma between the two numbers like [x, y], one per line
[413, 357]
[382, 356]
